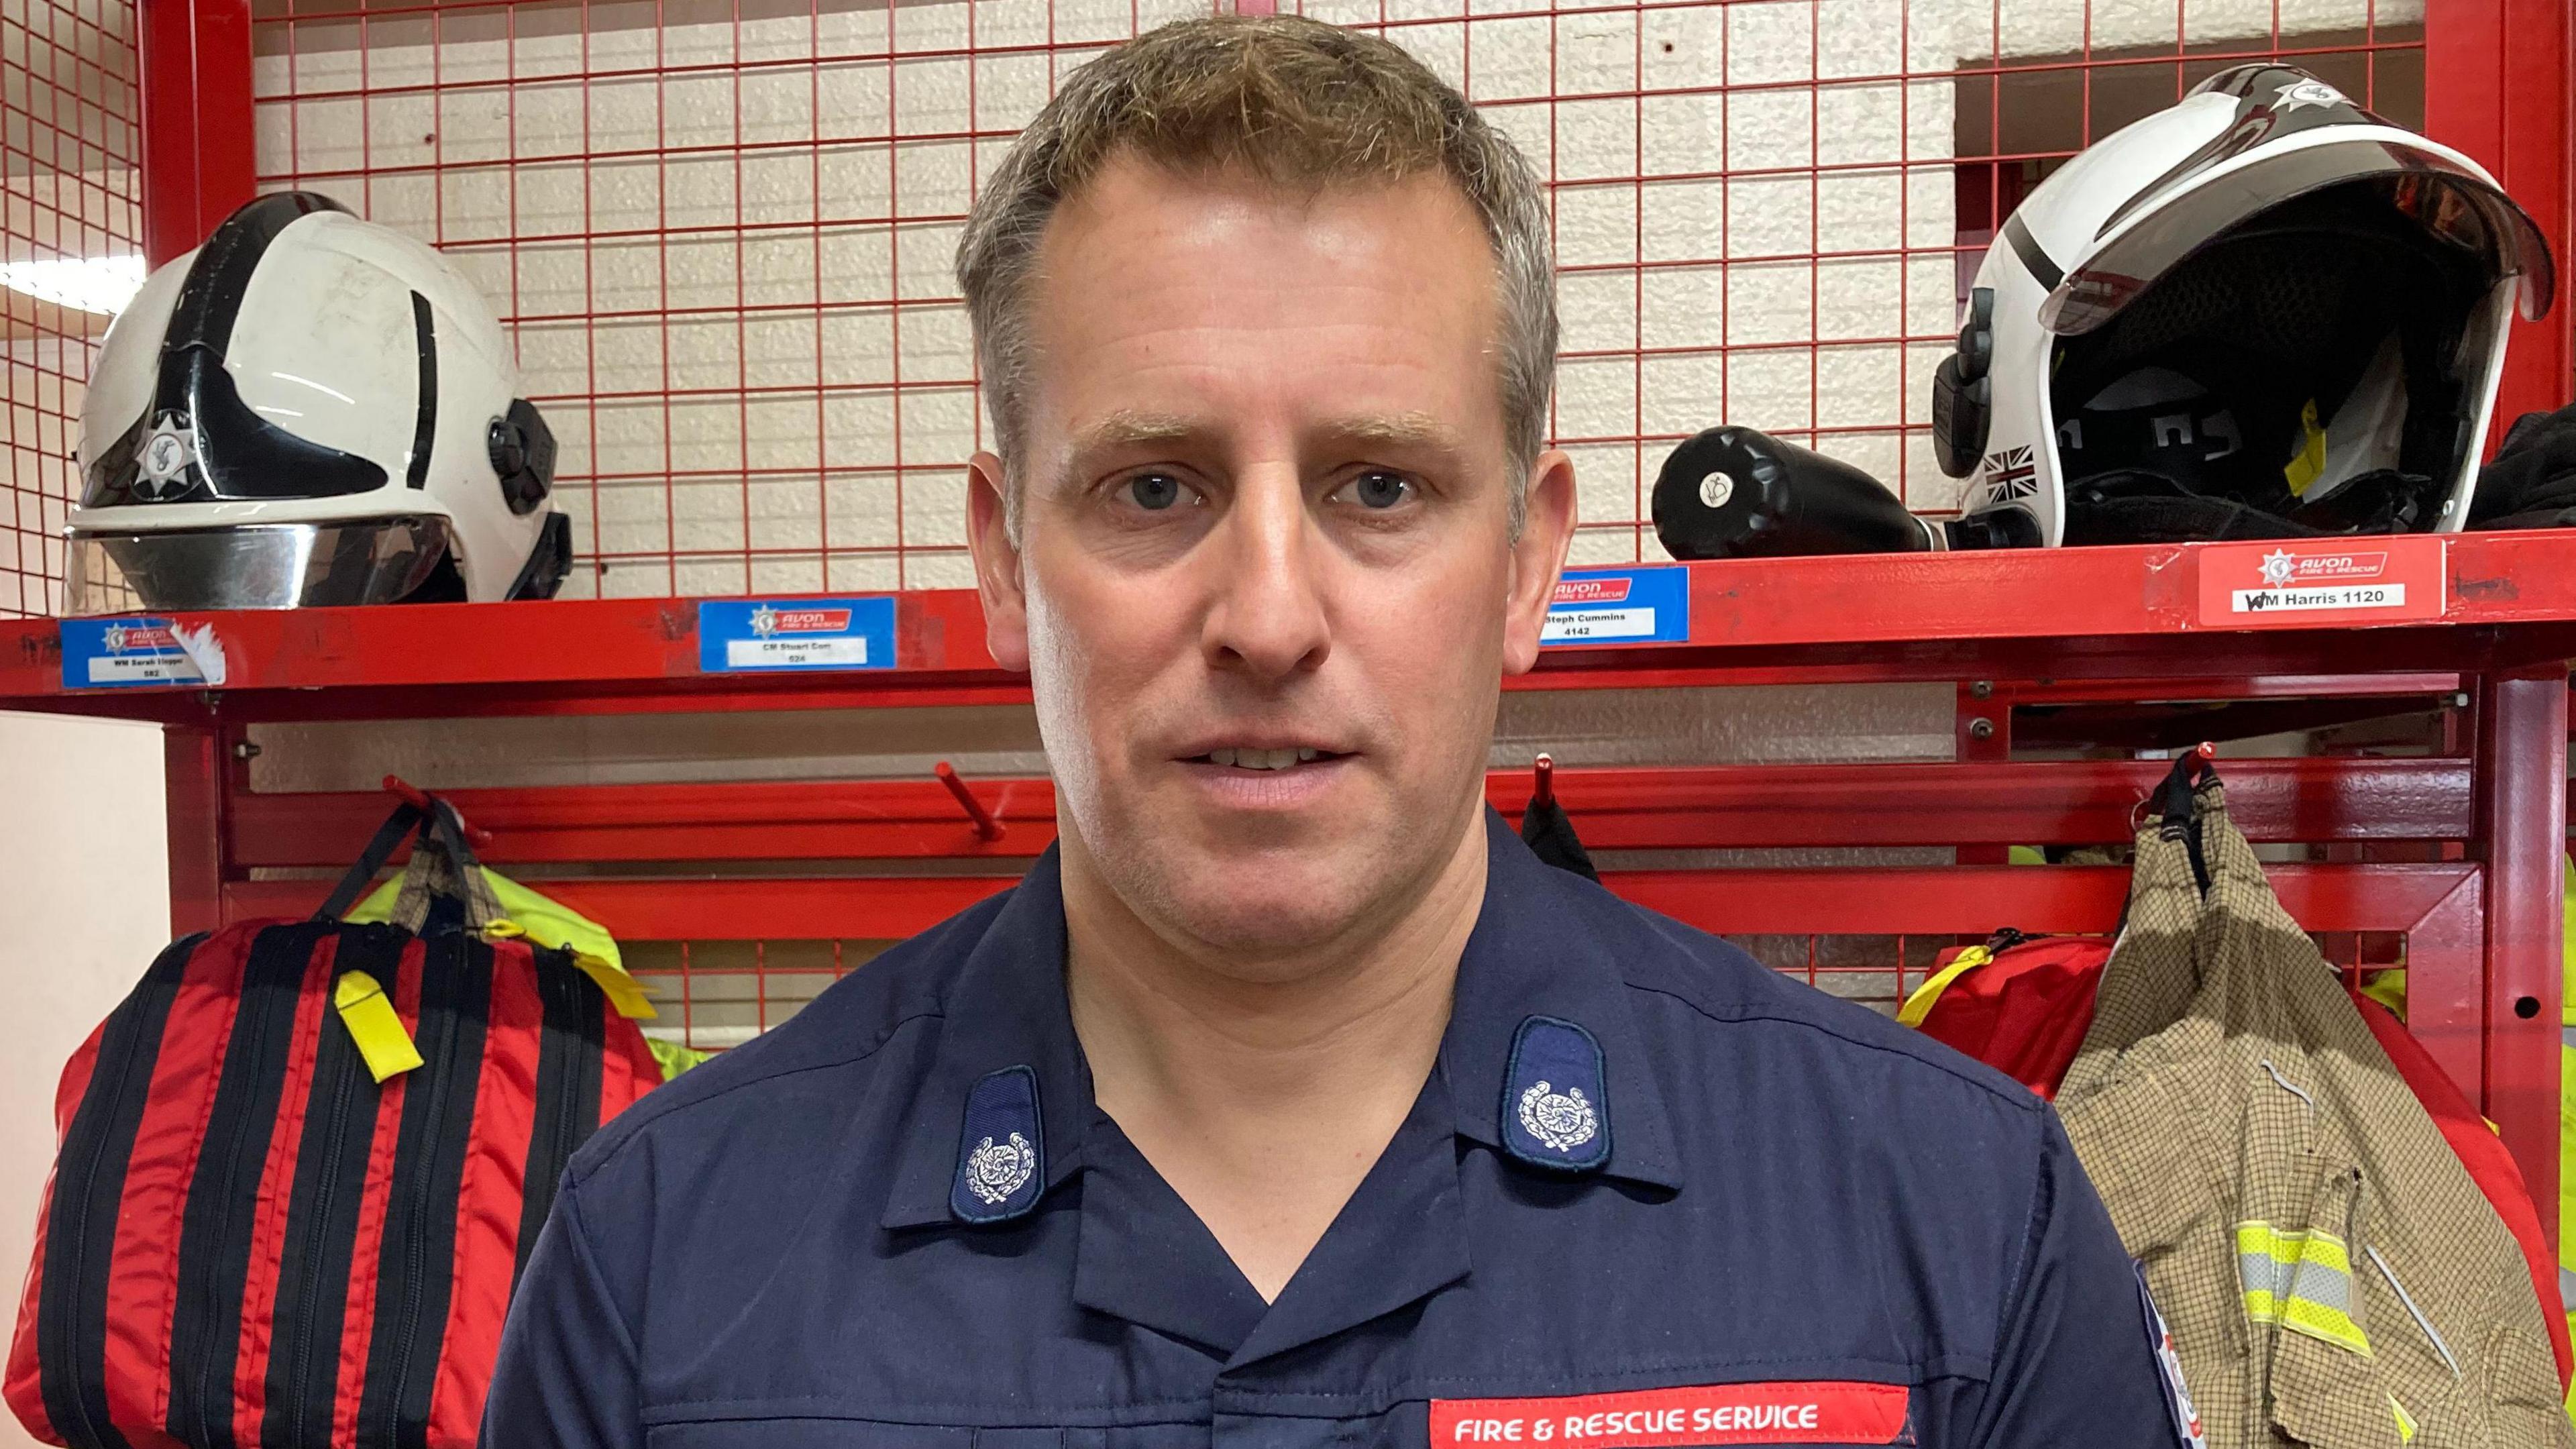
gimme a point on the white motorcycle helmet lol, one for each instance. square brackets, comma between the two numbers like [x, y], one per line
[2261, 313]
[310, 410]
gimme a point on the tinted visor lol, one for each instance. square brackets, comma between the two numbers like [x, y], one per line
[2453, 206]
[262, 566]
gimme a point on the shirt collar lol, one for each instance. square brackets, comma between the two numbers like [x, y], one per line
[1537, 962]
[1541, 958]
[1004, 1014]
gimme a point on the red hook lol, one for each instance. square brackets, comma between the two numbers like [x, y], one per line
[1545, 794]
[424, 802]
[986, 827]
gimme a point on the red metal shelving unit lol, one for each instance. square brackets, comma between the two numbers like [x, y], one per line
[2458, 853]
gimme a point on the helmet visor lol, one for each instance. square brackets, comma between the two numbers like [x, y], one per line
[2454, 206]
[263, 566]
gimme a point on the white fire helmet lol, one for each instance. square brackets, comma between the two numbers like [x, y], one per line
[2263, 312]
[310, 410]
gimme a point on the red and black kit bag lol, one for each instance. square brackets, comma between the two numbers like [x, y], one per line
[248, 1239]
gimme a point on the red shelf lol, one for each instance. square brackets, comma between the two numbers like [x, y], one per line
[2459, 854]
[2063, 614]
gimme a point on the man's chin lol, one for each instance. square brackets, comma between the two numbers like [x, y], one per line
[1256, 913]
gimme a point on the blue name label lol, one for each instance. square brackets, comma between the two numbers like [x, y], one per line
[1649, 605]
[124, 653]
[746, 635]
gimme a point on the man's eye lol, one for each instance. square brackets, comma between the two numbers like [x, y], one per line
[1379, 490]
[1154, 491]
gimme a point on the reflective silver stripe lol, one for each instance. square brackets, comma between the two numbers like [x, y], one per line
[2264, 1273]
[2319, 1284]
[2421, 1321]
[2566, 1286]
[2312, 1281]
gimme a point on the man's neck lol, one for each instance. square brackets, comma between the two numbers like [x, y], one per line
[1264, 1101]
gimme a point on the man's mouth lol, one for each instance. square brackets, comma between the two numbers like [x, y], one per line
[1252, 758]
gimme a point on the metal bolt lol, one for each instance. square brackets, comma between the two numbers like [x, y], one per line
[1981, 728]
[2459, 701]
[1982, 689]
[245, 750]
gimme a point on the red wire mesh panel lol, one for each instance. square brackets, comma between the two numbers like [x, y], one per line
[722, 228]
[70, 252]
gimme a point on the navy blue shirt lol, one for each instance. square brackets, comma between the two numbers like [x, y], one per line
[1642, 1163]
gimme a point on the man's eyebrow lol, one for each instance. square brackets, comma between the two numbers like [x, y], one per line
[1403, 430]
[1129, 426]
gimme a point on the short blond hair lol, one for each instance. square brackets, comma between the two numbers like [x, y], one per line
[1298, 104]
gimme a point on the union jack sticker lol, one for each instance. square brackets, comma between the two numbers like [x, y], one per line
[2011, 474]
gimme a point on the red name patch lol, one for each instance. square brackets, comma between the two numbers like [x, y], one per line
[813, 621]
[1788, 1413]
[1592, 591]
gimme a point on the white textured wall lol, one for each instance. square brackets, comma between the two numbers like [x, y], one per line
[84, 907]
[2016, 28]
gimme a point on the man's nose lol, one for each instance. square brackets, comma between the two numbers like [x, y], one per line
[1269, 619]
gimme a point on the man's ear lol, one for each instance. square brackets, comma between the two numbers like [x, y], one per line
[1538, 557]
[997, 564]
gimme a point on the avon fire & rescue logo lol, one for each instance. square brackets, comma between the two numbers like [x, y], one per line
[768, 622]
[1593, 591]
[2300, 581]
[137, 639]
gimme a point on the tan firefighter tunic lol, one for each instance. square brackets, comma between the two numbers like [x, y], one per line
[2330, 1273]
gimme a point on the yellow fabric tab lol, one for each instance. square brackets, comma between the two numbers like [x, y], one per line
[624, 992]
[1919, 1005]
[2405, 1420]
[374, 1025]
[2309, 464]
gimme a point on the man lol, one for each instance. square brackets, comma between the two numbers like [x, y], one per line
[1290, 1101]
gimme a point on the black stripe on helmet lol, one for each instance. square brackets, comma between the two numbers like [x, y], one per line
[2033, 255]
[210, 300]
[424, 428]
